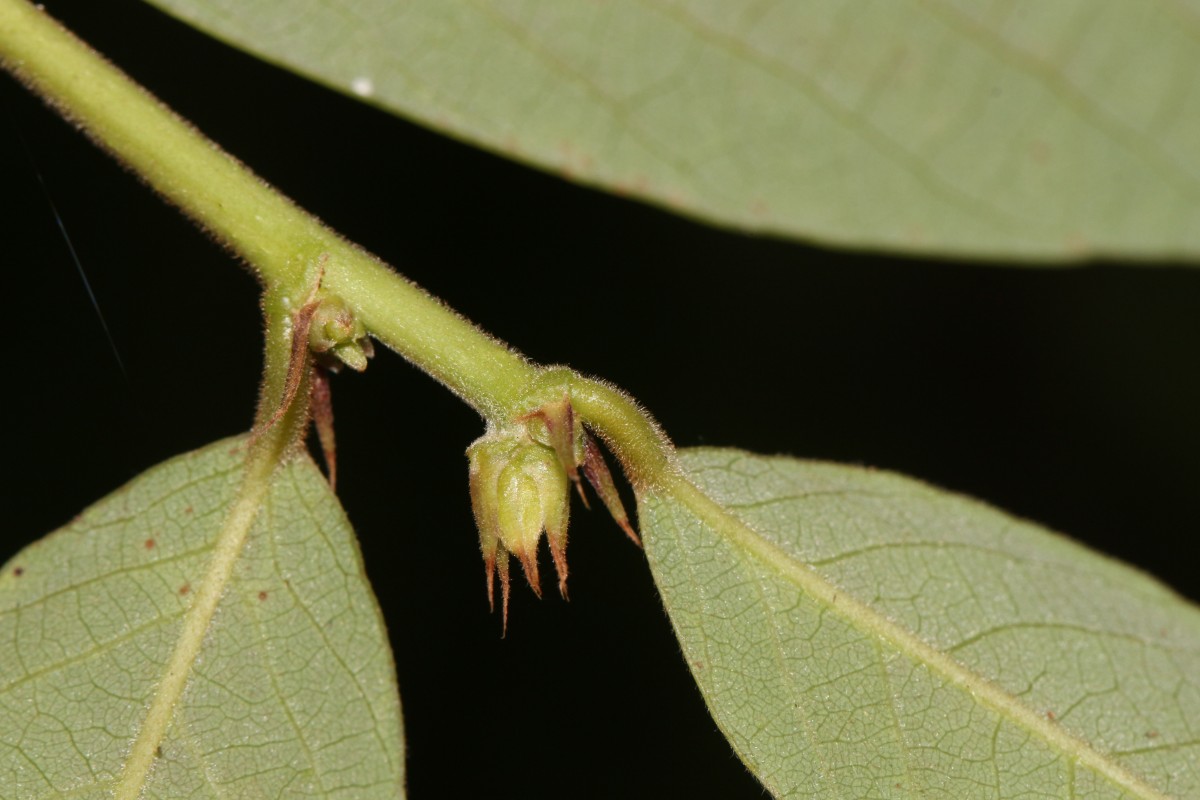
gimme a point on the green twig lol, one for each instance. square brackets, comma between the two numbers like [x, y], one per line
[283, 244]
[278, 240]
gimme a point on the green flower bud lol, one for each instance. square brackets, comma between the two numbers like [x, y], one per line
[521, 480]
[553, 489]
[336, 330]
[486, 458]
[520, 517]
[518, 490]
[354, 354]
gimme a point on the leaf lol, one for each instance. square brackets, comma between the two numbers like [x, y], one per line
[293, 692]
[997, 129]
[860, 634]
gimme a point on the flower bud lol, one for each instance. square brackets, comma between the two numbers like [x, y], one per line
[518, 490]
[521, 480]
[520, 519]
[337, 331]
[486, 459]
[552, 488]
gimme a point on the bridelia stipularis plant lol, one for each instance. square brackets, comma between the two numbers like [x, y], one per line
[207, 631]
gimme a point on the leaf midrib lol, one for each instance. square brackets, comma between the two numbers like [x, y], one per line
[235, 528]
[870, 621]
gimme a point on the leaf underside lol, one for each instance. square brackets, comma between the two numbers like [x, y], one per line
[293, 693]
[860, 634]
[989, 128]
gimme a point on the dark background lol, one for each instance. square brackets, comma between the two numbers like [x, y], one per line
[1067, 396]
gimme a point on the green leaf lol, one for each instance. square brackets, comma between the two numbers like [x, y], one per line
[292, 693]
[860, 634]
[987, 128]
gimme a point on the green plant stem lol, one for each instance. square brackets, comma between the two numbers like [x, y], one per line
[280, 241]
[642, 447]
[284, 244]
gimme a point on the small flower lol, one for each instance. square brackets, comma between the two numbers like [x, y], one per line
[518, 490]
[520, 481]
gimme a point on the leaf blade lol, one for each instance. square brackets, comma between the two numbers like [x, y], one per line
[851, 678]
[115, 586]
[997, 130]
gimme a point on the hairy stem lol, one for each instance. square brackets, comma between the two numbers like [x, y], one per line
[284, 244]
[279, 240]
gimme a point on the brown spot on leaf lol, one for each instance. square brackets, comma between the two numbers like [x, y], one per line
[188, 510]
[636, 185]
[1050, 715]
[187, 587]
[150, 544]
[1076, 244]
[262, 595]
[18, 572]
[916, 234]
[1151, 734]
[575, 163]
[1040, 151]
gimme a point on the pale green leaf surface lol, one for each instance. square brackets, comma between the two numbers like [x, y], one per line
[293, 694]
[860, 634]
[995, 128]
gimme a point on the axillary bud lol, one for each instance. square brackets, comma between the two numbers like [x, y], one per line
[338, 332]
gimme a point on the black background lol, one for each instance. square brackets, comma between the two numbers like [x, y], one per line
[1068, 396]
